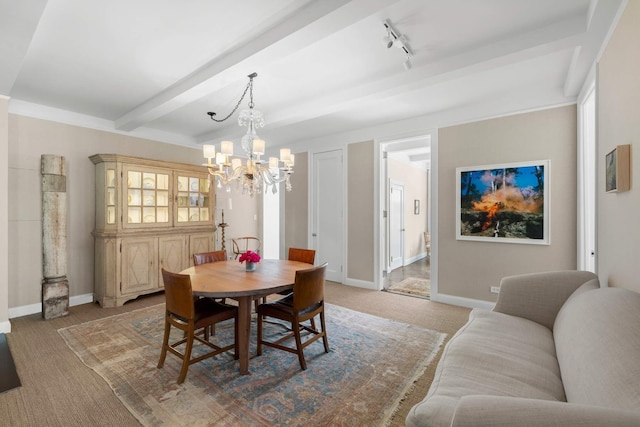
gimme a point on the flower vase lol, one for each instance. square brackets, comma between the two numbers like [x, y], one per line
[251, 266]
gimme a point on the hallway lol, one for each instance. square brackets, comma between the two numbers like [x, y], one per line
[420, 269]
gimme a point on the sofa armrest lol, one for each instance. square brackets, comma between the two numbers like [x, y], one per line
[492, 411]
[539, 296]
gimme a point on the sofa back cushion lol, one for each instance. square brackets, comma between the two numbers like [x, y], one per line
[597, 337]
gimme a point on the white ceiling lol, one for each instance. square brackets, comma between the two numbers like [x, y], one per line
[154, 68]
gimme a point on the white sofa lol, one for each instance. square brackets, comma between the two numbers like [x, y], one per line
[557, 350]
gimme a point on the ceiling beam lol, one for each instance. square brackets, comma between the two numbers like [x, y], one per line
[562, 35]
[600, 21]
[290, 32]
[19, 21]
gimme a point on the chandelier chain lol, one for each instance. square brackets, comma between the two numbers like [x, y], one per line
[249, 86]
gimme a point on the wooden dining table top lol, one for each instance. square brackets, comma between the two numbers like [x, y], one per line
[230, 278]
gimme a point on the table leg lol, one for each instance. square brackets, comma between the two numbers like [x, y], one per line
[244, 332]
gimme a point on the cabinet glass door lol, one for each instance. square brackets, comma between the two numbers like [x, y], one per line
[147, 198]
[194, 204]
[111, 196]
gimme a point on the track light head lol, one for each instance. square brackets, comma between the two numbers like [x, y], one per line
[394, 38]
[387, 40]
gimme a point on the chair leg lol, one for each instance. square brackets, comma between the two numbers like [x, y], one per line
[259, 344]
[165, 343]
[187, 356]
[296, 333]
[325, 340]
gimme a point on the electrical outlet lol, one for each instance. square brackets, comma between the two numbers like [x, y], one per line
[495, 289]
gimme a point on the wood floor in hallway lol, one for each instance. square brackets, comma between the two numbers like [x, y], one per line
[420, 268]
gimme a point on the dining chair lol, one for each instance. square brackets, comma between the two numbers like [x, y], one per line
[304, 303]
[189, 315]
[244, 244]
[207, 257]
[301, 255]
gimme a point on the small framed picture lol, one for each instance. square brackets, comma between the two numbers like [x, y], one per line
[617, 168]
[416, 207]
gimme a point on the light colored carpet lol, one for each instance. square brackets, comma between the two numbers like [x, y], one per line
[372, 364]
[414, 286]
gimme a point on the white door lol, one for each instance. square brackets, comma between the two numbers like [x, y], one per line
[396, 225]
[328, 213]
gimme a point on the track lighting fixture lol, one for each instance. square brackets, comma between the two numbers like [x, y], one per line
[394, 38]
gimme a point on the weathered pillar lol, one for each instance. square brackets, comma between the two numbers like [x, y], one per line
[55, 287]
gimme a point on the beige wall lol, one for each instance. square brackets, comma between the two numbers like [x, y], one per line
[360, 211]
[4, 224]
[296, 202]
[242, 219]
[29, 138]
[415, 188]
[618, 93]
[466, 268]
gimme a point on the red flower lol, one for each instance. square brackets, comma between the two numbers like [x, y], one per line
[249, 256]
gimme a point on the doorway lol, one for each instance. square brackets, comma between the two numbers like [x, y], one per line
[406, 215]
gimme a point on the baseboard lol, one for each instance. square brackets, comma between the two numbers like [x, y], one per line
[414, 259]
[360, 284]
[26, 310]
[5, 327]
[462, 302]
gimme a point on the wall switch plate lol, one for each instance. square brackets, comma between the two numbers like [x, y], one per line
[495, 289]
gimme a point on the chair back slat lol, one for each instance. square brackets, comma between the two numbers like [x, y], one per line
[302, 255]
[244, 244]
[308, 288]
[207, 257]
[178, 294]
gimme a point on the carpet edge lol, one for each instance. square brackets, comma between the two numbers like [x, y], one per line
[396, 405]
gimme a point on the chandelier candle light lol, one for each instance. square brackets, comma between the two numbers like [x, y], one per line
[255, 175]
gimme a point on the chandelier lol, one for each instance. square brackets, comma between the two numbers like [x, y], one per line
[255, 175]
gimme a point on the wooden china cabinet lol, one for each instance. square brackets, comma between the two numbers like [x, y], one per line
[149, 215]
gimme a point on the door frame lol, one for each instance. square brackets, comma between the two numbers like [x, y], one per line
[382, 205]
[396, 183]
[586, 261]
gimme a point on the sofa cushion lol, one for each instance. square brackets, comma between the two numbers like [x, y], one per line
[493, 354]
[597, 335]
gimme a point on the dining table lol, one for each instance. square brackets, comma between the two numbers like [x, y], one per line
[230, 279]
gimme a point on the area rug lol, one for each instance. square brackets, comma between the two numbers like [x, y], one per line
[372, 364]
[414, 286]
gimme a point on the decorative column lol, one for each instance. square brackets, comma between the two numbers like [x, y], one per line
[55, 287]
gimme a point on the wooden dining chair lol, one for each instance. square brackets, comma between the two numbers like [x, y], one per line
[296, 254]
[187, 315]
[302, 255]
[305, 303]
[244, 244]
[207, 257]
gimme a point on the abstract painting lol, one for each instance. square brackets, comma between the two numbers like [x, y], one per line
[505, 203]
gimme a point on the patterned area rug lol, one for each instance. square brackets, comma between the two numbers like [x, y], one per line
[373, 362]
[414, 286]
